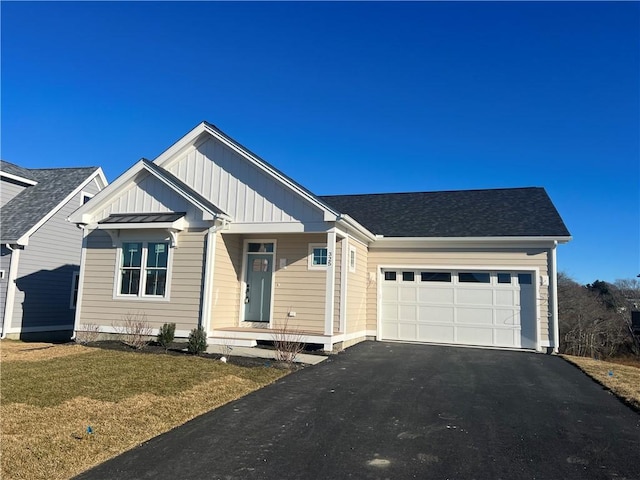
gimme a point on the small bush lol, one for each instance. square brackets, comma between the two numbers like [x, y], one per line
[166, 335]
[288, 343]
[134, 330]
[87, 333]
[197, 342]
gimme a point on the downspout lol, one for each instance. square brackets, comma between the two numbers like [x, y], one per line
[553, 279]
[11, 289]
[205, 319]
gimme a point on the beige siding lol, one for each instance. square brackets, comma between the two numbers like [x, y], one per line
[99, 307]
[357, 291]
[504, 258]
[226, 281]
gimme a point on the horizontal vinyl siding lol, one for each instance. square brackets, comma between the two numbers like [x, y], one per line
[357, 291]
[226, 281]
[296, 288]
[45, 273]
[506, 259]
[8, 190]
[99, 307]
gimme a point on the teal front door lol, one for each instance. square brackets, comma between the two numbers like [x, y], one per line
[258, 279]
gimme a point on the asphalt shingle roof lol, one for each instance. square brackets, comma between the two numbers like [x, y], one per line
[510, 212]
[27, 208]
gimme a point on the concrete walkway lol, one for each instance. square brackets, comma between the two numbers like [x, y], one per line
[400, 411]
[255, 352]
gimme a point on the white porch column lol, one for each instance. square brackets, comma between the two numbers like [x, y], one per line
[83, 261]
[331, 281]
[210, 251]
[344, 270]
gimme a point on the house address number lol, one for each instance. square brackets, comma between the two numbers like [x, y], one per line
[329, 259]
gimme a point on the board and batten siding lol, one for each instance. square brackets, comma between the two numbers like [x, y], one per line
[185, 284]
[357, 290]
[9, 189]
[46, 271]
[147, 194]
[238, 187]
[507, 259]
[227, 275]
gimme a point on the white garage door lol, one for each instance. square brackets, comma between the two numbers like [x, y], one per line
[467, 307]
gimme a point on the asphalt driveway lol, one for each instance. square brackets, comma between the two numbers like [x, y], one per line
[401, 411]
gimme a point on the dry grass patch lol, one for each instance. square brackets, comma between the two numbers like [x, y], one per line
[624, 380]
[11, 350]
[125, 397]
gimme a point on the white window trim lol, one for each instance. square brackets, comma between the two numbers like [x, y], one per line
[85, 194]
[143, 278]
[354, 251]
[310, 264]
[75, 278]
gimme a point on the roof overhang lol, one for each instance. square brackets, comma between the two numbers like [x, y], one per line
[17, 178]
[460, 242]
[114, 224]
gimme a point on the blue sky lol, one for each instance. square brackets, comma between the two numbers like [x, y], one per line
[350, 98]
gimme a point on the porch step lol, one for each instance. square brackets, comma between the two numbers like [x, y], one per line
[236, 342]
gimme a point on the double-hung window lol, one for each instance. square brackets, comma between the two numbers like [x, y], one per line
[143, 269]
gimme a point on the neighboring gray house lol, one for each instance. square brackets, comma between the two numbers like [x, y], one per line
[40, 250]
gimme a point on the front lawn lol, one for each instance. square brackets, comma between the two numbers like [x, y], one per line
[66, 408]
[623, 379]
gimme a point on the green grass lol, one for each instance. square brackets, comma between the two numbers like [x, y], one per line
[113, 376]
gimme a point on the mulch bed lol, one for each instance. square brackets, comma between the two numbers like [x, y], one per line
[177, 348]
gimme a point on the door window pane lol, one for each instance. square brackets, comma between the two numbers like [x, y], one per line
[504, 278]
[408, 276]
[260, 247]
[390, 276]
[435, 276]
[524, 278]
[474, 277]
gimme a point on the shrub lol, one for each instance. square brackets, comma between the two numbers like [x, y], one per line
[197, 342]
[134, 330]
[87, 333]
[288, 343]
[166, 334]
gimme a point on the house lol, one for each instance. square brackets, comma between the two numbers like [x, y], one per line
[40, 250]
[210, 234]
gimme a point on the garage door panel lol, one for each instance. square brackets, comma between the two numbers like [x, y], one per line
[474, 336]
[407, 312]
[474, 316]
[507, 338]
[438, 295]
[474, 296]
[507, 317]
[436, 334]
[390, 331]
[407, 294]
[505, 298]
[408, 331]
[429, 314]
[390, 293]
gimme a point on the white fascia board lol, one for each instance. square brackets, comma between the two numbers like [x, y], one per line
[178, 225]
[346, 222]
[279, 227]
[24, 239]
[504, 242]
[18, 179]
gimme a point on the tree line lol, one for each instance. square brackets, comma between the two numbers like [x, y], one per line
[595, 319]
